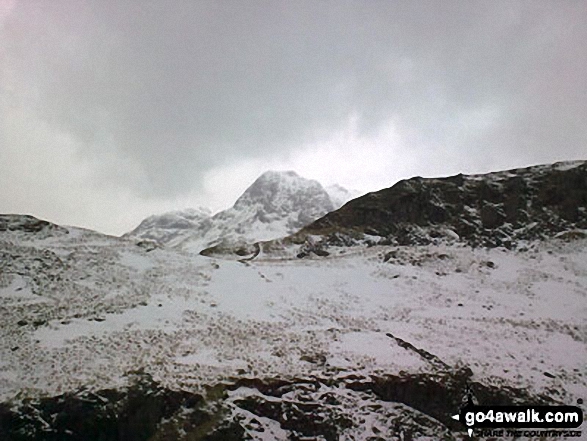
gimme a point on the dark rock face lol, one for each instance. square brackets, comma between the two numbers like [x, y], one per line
[330, 408]
[137, 413]
[28, 224]
[304, 408]
[496, 209]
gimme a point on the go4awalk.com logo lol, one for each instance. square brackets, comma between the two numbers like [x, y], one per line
[521, 417]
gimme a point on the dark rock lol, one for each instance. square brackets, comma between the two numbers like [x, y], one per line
[306, 408]
[319, 359]
[242, 251]
[137, 413]
[492, 210]
[228, 431]
[148, 245]
[309, 419]
[491, 216]
[28, 224]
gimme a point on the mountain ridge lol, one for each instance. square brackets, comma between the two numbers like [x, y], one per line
[277, 203]
[492, 209]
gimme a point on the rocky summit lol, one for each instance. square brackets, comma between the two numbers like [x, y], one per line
[494, 209]
[274, 205]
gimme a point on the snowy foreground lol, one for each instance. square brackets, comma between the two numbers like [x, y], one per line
[82, 310]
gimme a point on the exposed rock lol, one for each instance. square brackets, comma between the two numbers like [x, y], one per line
[147, 245]
[496, 209]
[28, 224]
[135, 413]
[304, 408]
[492, 216]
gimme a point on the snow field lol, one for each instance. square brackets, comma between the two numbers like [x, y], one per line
[190, 320]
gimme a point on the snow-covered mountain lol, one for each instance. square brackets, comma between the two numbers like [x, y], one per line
[104, 338]
[164, 228]
[275, 205]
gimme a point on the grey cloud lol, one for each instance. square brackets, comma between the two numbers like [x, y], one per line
[181, 87]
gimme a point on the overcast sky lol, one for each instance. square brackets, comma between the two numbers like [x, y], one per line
[112, 110]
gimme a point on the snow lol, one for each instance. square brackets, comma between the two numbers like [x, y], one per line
[136, 261]
[340, 195]
[17, 289]
[147, 317]
[189, 320]
[208, 357]
[373, 347]
[249, 299]
[568, 165]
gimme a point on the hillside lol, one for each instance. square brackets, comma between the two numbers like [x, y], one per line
[495, 209]
[105, 337]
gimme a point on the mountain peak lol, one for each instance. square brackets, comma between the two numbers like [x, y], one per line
[278, 174]
[276, 204]
[340, 195]
[284, 190]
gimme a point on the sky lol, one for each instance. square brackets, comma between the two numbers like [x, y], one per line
[113, 110]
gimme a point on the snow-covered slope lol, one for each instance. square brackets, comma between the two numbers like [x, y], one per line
[335, 342]
[167, 227]
[275, 205]
[102, 337]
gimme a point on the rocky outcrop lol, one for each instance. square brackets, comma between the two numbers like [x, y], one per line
[135, 413]
[496, 209]
[139, 412]
[405, 406]
[28, 224]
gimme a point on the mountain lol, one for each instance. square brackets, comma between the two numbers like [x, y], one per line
[102, 337]
[494, 209]
[275, 205]
[164, 228]
[22, 224]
